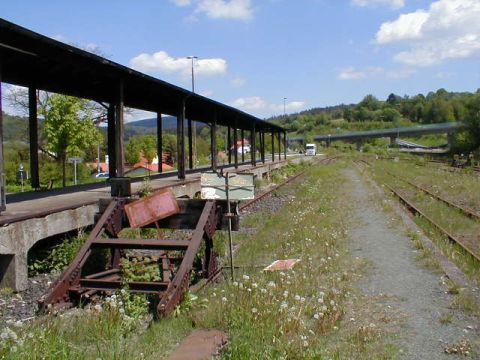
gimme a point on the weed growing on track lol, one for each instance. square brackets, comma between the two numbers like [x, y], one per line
[299, 313]
[310, 312]
[451, 219]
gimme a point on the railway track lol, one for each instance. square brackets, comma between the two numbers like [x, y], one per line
[251, 203]
[469, 243]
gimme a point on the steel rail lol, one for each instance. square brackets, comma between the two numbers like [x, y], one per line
[250, 203]
[468, 212]
[415, 210]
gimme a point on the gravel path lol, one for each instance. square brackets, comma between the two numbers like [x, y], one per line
[410, 289]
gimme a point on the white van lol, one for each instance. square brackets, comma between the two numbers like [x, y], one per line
[311, 149]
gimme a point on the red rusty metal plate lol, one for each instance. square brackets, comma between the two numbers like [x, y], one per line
[282, 265]
[152, 208]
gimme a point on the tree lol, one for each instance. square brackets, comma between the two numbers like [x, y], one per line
[68, 128]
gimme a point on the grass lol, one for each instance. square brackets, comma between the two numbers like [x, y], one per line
[449, 218]
[311, 312]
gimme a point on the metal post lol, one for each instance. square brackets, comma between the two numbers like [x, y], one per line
[243, 145]
[213, 142]
[111, 141]
[181, 141]
[230, 240]
[279, 147]
[33, 135]
[273, 146]
[75, 172]
[254, 146]
[285, 145]
[119, 132]
[2, 174]
[159, 142]
[235, 146]
[263, 145]
[229, 145]
[190, 144]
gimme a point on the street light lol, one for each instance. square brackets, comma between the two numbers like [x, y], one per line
[284, 99]
[193, 73]
[194, 127]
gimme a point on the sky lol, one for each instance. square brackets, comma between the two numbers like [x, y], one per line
[258, 55]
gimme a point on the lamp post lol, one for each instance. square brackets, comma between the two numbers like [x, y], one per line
[284, 100]
[194, 127]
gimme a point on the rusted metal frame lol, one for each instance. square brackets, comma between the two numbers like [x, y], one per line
[133, 286]
[2, 174]
[33, 136]
[235, 142]
[163, 244]
[190, 144]
[111, 141]
[465, 211]
[160, 142]
[173, 294]
[119, 131]
[181, 140]
[412, 208]
[59, 291]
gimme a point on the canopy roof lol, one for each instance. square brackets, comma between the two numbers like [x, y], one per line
[30, 59]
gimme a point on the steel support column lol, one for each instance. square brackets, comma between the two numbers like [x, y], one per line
[262, 136]
[254, 146]
[159, 142]
[279, 146]
[243, 144]
[119, 132]
[235, 146]
[190, 144]
[111, 142]
[33, 136]
[2, 174]
[181, 141]
[273, 146]
[213, 142]
[229, 145]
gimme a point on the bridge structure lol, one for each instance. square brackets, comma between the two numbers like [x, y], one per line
[393, 133]
[34, 61]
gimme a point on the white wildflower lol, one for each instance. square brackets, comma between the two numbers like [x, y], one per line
[254, 310]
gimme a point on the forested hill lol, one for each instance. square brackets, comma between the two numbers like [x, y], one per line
[434, 107]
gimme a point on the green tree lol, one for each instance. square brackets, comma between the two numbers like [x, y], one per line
[68, 128]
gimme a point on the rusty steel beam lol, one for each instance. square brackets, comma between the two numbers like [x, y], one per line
[2, 175]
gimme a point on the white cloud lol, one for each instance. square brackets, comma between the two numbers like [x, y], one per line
[223, 9]
[258, 104]
[181, 2]
[220, 9]
[162, 62]
[394, 4]
[238, 82]
[351, 73]
[449, 29]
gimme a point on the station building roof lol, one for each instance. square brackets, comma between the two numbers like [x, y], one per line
[31, 59]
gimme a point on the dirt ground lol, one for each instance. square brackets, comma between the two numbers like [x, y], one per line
[409, 291]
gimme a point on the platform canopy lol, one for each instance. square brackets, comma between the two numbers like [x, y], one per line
[30, 59]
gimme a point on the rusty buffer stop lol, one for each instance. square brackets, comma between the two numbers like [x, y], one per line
[160, 210]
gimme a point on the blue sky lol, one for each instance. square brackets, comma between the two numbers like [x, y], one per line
[254, 53]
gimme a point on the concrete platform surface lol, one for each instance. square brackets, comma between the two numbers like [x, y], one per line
[200, 345]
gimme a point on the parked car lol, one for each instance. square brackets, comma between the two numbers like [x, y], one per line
[102, 175]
